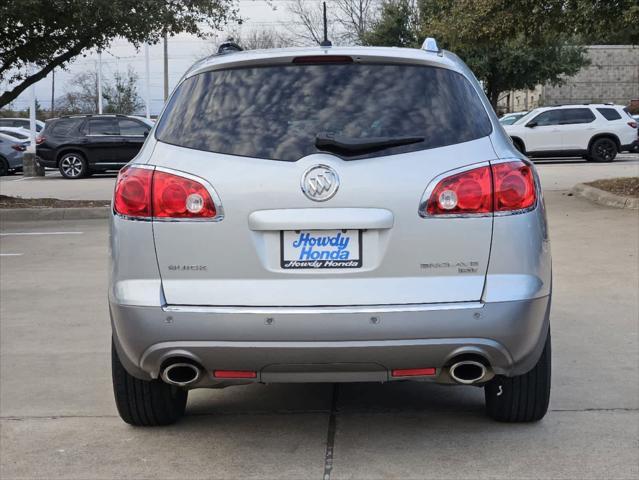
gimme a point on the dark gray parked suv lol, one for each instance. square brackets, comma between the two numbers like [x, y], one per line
[84, 144]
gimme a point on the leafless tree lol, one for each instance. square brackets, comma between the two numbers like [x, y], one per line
[257, 39]
[355, 17]
[348, 20]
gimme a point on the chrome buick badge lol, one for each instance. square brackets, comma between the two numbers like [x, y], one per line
[320, 183]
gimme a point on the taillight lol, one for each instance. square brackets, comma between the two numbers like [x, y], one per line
[40, 139]
[132, 195]
[633, 124]
[514, 186]
[18, 147]
[179, 197]
[502, 187]
[462, 193]
[146, 193]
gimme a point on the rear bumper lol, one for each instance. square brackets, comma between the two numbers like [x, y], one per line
[632, 147]
[331, 344]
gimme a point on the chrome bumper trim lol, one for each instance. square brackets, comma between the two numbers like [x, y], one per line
[419, 307]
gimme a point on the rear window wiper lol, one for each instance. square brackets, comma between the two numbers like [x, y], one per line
[330, 141]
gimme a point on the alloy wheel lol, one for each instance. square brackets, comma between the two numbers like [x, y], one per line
[72, 166]
[606, 150]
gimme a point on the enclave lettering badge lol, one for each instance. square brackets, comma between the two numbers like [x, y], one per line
[462, 267]
[190, 268]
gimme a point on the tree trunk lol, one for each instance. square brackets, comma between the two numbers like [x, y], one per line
[493, 96]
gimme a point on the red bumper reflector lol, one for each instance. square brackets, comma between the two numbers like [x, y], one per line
[234, 374]
[413, 372]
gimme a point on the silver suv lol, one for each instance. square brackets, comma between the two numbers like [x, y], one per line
[329, 215]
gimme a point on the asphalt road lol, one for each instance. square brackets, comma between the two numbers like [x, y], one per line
[58, 419]
[556, 174]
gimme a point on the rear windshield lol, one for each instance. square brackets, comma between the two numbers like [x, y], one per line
[277, 112]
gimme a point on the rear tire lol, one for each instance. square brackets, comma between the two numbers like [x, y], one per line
[145, 403]
[523, 398]
[603, 150]
[73, 166]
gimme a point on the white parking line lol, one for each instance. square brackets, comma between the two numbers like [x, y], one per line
[11, 254]
[15, 234]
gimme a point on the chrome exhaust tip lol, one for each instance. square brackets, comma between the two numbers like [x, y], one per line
[181, 374]
[468, 372]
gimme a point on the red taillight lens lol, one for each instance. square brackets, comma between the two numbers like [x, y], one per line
[234, 374]
[179, 197]
[462, 193]
[514, 186]
[414, 372]
[132, 195]
[633, 124]
[146, 193]
[40, 139]
[499, 188]
[18, 147]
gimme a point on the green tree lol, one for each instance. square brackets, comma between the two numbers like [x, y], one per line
[509, 44]
[122, 95]
[397, 25]
[45, 34]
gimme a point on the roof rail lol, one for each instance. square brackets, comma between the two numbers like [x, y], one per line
[430, 45]
[228, 47]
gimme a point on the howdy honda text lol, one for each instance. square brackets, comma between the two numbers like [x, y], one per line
[321, 249]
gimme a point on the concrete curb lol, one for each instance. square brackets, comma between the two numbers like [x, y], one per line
[30, 214]
[604, 198]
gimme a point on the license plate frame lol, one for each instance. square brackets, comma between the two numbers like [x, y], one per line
[322, 263]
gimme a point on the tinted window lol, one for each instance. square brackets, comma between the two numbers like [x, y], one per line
[609, 113]
[131, 127]
[64, 126]
[576, 115]
[102, 126]
[6, 123]
[276, 112]
[550, 117]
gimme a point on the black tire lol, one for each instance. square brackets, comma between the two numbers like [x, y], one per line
[523, 398]
[73, 165]
[603, 150]
[145, 403]
[4, 167]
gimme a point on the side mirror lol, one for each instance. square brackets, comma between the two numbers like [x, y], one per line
[531, 124]
[146, 133]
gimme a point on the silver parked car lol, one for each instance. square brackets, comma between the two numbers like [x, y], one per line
[11, 152]
[329, 215]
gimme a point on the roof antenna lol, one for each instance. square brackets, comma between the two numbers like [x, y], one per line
[326, 42]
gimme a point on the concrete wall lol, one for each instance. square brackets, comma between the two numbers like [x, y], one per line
[613, 76]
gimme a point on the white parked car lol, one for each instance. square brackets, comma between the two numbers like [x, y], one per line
[595, 132]
[20, 123]
[511, 118]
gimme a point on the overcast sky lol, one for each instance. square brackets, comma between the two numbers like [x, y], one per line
[184, 50]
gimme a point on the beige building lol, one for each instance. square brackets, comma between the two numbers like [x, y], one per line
[611, 77]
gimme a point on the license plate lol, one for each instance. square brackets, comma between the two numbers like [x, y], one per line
[321, 249]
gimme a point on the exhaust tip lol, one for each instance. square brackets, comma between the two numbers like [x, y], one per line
[181, 374]
[468, 372]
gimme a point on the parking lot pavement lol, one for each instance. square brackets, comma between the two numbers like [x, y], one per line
[59, 421]
[556, 174]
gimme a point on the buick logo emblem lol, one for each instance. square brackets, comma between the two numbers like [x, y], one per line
[320, 183]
